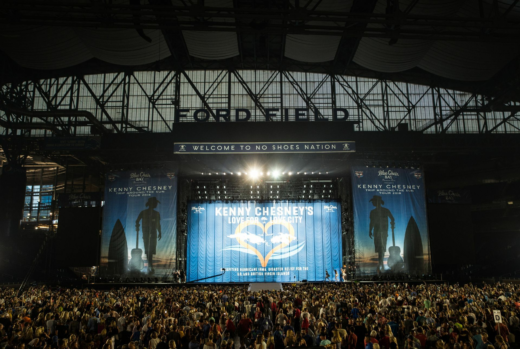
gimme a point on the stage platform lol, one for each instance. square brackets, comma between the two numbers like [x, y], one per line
[106, 285]
[151, 284]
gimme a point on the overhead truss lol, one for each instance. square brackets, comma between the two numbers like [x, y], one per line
[136, 102]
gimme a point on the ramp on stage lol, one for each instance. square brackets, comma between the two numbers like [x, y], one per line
[265, 286]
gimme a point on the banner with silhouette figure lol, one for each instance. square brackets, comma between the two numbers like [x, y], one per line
[139, 224]
[264, 241]
[390, 205]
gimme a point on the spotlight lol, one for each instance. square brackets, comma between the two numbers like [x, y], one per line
[238, 173]
[290, 173]
[254, 174]
[276, 174]
[268, 173]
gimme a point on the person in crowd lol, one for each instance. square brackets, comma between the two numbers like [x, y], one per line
[335, 315]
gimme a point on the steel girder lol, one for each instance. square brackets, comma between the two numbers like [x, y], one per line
[147, 101]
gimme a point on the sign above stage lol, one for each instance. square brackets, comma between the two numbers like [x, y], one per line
[264, 148]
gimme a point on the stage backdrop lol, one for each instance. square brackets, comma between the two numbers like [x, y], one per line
[264, 241]
[386, 200]
[139, 221]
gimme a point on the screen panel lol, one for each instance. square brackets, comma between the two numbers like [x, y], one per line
[390, 204]
[139, 224]
[264, 241]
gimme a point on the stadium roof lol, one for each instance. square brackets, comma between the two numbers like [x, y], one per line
[466, 45]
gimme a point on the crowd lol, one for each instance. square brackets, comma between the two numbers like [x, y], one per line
[337, 316]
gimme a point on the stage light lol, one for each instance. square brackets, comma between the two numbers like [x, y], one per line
[230, 173]
[261, 174]
[238, 173]
[276, 174]
[268, 173]
[209, 173]
[304, 173]
[290, 173]
[203, 173]
[224, 173]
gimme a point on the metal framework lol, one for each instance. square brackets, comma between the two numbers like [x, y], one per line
[290, 18]
[134, 102]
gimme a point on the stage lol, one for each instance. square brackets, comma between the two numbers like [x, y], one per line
[109, 285]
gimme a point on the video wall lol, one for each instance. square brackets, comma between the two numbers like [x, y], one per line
[390, 226]
[139, 224]
[264, 241]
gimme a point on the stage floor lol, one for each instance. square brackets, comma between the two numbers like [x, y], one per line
[247, 284]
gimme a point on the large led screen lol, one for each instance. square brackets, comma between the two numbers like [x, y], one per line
[264, 241]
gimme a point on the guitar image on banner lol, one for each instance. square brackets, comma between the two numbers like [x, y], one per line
[136, 263]
[395, 262]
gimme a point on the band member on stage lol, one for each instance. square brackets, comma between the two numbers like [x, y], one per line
[336, 275]
[344, 273]
[176, 276]
[151, 225]
[379, 228]
[327, 275]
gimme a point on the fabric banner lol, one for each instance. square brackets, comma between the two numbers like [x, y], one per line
[264, 241]
[139, 224]
[390, 204]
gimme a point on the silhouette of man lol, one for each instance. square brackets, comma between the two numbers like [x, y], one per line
[379, 228]
[151, 225]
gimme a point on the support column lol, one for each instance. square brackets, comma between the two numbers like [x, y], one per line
[12, 193]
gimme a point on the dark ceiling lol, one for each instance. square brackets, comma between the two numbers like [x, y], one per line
[262, 27]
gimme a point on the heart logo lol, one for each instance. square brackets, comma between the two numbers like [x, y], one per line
[263, 260]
